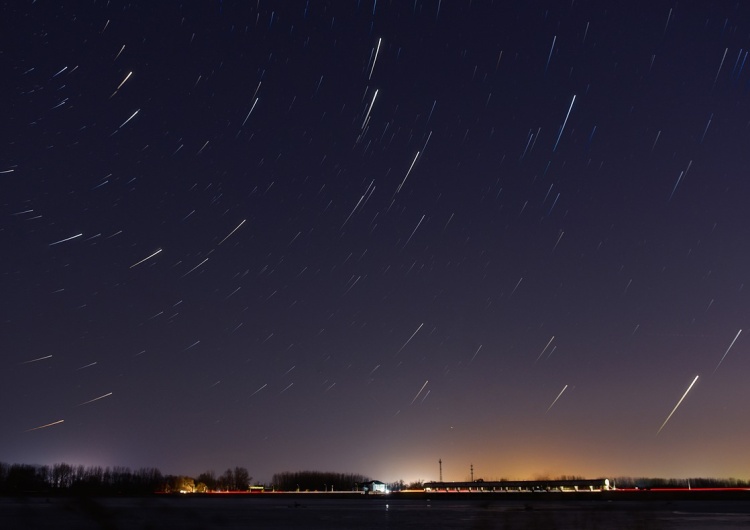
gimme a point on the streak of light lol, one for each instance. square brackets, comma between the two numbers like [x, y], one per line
[61, 71]
[550, 52]
[66, 239]
[675, 185]
[95, 399]
[720, 65]
[145, 259]
[449, 221]
[516, 287]
[131, 117]
[45, 426]
[475, 354]
[233, 292]
[3, 172]
[372, 190]
[376, 57]
[369, 109]
[60, 104]
[251, 110]
[742, 65]
[192, 345]
[358, 203]
[555, 400]
[424, 147]
[261, 388]
[353, 284]
[353, 210]
[553, 204]
[429, 116]
[287, 388]
[191, 270]
[528, 143]
[545, 348]
[558, 240]
[420, 391]
[564, 122]
[37, 359]
[409, 339]
[725, 353]
[415, 230]
[678, 404]
[317, 89]
[548, 192]
[655, 140]
[123, 81]
[118, 53]
[86, 366]
[703, 136]
[409, 171]
[669, 16]
[232, 232]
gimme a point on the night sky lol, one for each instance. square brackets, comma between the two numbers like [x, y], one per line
[364, 236]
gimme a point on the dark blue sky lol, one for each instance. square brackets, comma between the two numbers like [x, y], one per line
[363, 236]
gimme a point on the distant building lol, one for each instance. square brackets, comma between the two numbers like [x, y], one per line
[372, 486]
[600, 484]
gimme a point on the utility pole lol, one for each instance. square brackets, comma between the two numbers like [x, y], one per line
[441, 469]
[472, 472]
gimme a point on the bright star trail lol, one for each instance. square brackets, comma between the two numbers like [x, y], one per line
[678, 404]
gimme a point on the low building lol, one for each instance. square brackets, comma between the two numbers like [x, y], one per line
[372, 486]
[600, 484]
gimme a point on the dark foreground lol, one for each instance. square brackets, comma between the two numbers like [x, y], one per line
[652, 510]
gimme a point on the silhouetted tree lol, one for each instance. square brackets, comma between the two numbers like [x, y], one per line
[181, 484]
[397, 486]
[209, 479]
[24, 478]
[226, 481]
[241, 479]
[62, 476]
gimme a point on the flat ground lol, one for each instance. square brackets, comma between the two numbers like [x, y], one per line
[269, 511]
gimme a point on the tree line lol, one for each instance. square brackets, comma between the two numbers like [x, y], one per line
[19, 479]
[696, 482]
[64, 478]
[317, 481]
